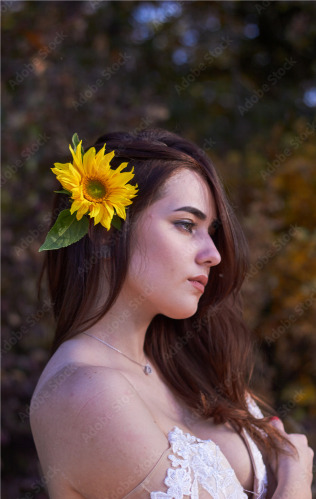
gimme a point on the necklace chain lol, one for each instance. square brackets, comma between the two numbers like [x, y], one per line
[147, 368]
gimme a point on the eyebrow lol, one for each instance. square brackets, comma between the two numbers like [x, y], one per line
[199, 214]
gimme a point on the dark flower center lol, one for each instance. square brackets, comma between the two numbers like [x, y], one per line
[95, 189]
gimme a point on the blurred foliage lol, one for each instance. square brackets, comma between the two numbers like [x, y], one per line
[238, 78]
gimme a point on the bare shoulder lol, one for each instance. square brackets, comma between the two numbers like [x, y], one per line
[77, 389]
[72, 383]
[97, 428]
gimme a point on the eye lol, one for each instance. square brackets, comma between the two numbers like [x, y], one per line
[187, 226]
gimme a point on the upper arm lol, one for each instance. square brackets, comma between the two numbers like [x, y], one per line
[100, 433]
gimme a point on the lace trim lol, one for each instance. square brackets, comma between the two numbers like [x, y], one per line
[253, 407]
[195, 462]
[261, 469]
[261, 472]
[204, 463]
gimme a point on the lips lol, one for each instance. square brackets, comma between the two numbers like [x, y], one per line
[202, 279]
[198, 285]
[199, 282]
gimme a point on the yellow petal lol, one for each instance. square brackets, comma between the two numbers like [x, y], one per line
[95, 210]
[77, 192]
[120, 211]
[89, 162]
[60, 167]
[121, 167]
[68, 185]
[104, 164]
[81, 206]
[105, 220]
[75, 174]
[99, 155]
[115, 197]
[100, 215]
[70, 178]
[108, 208]
[123, 178]
[77, 157]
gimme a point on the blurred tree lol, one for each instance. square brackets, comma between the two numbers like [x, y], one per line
[236, 77]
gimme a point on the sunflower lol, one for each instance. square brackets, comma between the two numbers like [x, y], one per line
[95, 188]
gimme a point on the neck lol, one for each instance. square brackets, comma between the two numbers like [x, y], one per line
[125, 325]
[125, 330]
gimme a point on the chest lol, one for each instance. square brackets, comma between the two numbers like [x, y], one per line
[168, 412]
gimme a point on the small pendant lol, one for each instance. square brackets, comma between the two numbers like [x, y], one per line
[147, 369]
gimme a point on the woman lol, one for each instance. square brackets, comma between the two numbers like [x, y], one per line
[147, 393]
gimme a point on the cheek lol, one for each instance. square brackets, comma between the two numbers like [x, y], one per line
[157, 260]
[161, 265]
[165, 258]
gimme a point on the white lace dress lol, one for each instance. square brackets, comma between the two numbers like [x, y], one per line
[199, 470]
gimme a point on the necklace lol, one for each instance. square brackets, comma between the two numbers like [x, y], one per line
[147, 368]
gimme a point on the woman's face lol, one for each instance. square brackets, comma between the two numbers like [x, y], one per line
[172, 247]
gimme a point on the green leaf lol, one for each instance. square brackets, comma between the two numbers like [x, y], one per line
[66, 230]
[75, 140]
[116, 222]
[63, 191]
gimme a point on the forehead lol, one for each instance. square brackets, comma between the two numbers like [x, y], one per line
[184, 188]
[187, 187]
[186, 179]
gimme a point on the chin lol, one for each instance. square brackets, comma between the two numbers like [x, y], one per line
[181, 312]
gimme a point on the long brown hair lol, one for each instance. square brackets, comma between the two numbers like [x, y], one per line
[207, 359]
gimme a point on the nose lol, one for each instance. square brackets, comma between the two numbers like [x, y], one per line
[208, 253]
